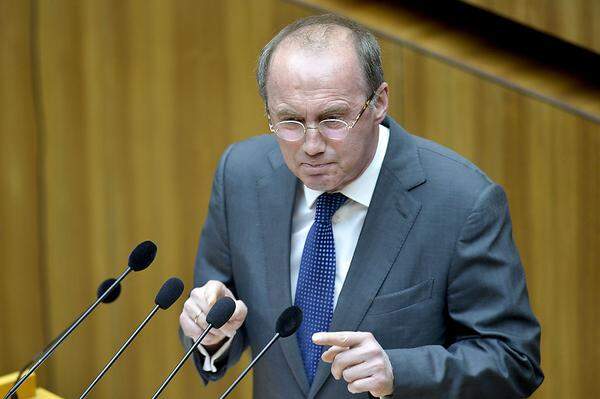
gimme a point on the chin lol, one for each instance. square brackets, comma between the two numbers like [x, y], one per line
[319, 183]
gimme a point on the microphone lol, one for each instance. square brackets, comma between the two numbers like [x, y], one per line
[112, 294]
[167, 295]
[218, 315]
[287, 324]
[111, 297]
[140, 258]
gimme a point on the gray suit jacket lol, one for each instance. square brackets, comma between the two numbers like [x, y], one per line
[435, 276]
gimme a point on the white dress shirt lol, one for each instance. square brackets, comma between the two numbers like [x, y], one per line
[347, 223]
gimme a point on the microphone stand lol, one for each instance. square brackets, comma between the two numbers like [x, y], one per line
[66, 334]
[182, 361]
[262, 352]
[119, 352]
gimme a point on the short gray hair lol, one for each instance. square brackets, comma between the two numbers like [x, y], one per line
[366, 46]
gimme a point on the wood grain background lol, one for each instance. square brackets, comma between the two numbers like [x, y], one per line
[576, 21]
[113, 115]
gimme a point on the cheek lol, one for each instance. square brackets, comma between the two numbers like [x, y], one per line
[359, 149]
[344, 155]
[289, 151]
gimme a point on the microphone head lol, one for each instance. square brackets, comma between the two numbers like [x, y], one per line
[113, 294]
[221, 312]
[169, 293]
[142, 255]
[289, 321]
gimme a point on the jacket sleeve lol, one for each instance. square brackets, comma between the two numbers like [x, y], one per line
[493, 349]
[213, 262]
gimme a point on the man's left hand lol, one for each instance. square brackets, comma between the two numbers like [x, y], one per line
[358, 358]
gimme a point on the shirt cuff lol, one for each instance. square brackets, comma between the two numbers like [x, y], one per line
[209, 361]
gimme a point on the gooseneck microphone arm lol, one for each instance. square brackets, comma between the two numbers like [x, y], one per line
[181, 362]
[287, 324]
[120, 351]
[67, 332]
[262, 352]
[168, 294]
[218, 315]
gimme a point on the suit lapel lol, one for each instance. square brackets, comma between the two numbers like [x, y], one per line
[390, 217]
[276, 195]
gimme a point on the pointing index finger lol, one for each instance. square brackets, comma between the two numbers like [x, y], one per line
[338, 338]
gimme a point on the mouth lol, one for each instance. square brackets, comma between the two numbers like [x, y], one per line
[315, 167]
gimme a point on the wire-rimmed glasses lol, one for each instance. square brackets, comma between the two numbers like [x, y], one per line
[334, 129]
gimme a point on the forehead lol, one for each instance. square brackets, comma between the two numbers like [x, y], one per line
[300, 74]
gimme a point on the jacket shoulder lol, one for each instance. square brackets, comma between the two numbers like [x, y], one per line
[441, 162]
[250, 157]
[452, 180]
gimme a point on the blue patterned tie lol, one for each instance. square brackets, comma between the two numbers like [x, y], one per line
[316, 280]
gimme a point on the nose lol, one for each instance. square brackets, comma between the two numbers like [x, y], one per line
[314, 143]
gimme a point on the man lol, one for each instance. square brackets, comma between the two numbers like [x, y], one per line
[398, 250]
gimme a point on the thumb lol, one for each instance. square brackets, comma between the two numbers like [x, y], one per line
[216, 290]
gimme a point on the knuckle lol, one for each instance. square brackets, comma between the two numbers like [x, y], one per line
[335, 370]
[221, 286]
[196, 292]
[241, 316]
[347, 375]
[369, 351]
[188, 305]
[212, 287]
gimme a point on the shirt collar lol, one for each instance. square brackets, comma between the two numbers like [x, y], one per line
[360, 189]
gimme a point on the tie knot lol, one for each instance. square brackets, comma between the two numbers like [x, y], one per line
[327, 205]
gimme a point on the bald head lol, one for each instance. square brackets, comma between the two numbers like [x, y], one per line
[314, 56]
[330, 67]
[321, 34]
[319, 37]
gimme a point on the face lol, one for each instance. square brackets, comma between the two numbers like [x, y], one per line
[309, 86]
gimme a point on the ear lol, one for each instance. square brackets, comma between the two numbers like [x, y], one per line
[381, 103]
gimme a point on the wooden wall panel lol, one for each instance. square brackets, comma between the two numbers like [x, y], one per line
[141, 98]
[547, 160]
[576, 21]
[138, 100]
[465, 45]
[21, 313]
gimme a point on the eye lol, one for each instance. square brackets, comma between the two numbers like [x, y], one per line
[333, 115]
[292, 118]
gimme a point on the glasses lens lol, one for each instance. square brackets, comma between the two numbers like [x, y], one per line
[333, 128]
[290, 131]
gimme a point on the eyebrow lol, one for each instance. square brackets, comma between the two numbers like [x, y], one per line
[339, 109]
[286, 113]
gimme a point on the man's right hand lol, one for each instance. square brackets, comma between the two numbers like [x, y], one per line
[196, 307]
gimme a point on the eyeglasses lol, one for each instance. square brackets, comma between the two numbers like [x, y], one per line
[334, 129]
